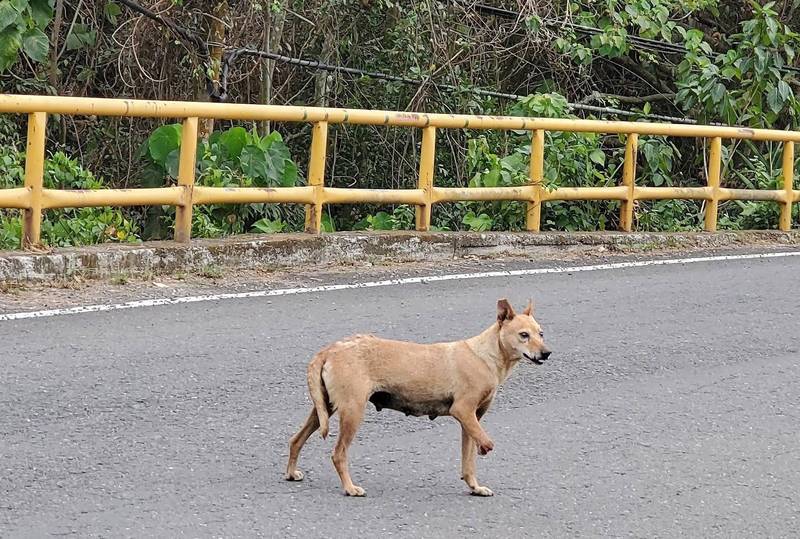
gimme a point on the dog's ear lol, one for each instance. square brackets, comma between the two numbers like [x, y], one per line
[529, 309]
[504, 311]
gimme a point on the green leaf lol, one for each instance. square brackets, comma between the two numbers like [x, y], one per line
[111, 11]
[233, 140]
[269, 162]
[254, 162]
[289, 178]
[647, 107]
[164, 140]
[598, 156]
[8, 16]
[534, 23]
[172, 162]
[41, 12]
[381, 221]
[491, 178]
[268, 226]
[774, 101]
[772, 30]
[784, 90]
[10, 42]
[327, 223]
[479, 223]
[81, 36]
[35, 44]
[718, 92]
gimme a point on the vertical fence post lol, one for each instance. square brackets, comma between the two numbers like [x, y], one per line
[34, 177]
[427, 160]
[533, 215]
[714, 168]
[629, 181]
[186, 170]
[316, 176]
[788, 186]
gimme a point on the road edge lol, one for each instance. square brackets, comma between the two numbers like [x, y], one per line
[286, 251]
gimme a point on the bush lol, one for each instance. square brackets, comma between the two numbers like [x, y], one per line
[68, 227]
[230, 158]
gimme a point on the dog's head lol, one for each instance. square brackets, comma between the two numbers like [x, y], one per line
[520, 335]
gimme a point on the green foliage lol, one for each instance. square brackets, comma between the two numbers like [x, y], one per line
[746, 85]
[651, 19]
[477, 223]
[401, 218]
[269, 226]
[231, 158]
[10, 231]
[571, 159]
[733, 71]
[68, 227]
[22, 24]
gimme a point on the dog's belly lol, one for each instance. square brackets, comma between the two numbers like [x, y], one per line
[431, 408]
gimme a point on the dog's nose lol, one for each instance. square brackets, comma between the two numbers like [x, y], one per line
[546, 355]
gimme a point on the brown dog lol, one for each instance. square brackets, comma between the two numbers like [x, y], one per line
[456, 378]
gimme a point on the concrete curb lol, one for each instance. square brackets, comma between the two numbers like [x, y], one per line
[302, 250]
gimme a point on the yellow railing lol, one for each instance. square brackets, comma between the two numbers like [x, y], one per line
[33, 198]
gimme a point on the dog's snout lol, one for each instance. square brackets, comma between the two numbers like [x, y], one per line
[546, 354]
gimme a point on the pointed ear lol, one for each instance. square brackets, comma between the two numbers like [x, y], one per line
[504, 311]
[529, 309]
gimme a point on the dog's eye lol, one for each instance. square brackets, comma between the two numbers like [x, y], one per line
[525, 335]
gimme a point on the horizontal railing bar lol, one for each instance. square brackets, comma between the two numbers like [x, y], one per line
[337, 195]
[748, 194]
[16, 197]
[456, 194]
[19, 197]
[86, 198]
[229, 111]
[586, 193]
[672, 193]
[252, 195]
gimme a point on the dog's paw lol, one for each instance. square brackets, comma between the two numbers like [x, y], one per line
[482, 491]
[296, 475]
[485, 447]
[356, 491]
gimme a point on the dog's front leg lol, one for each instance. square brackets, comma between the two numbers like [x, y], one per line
[468, 466]
[466, 415]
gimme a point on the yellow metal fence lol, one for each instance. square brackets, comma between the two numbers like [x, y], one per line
[33, 198]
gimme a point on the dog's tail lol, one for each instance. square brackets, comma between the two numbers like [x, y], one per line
[316, 386]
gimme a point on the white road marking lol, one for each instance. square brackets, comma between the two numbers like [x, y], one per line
[387, 282]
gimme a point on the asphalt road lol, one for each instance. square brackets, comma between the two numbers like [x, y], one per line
[670, 406]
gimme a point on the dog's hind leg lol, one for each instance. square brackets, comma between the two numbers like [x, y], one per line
[350, 416]
[468, 450]
[296, 444]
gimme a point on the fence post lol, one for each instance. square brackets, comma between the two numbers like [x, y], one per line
[34, 177]
[714, 167]
[629, 181]
[186, 170]
[316, 176]
[788, 186]
[533, 215]
[427, 160]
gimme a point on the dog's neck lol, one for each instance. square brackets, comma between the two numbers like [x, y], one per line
[487, 347]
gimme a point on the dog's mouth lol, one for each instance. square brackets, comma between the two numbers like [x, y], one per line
[535, 360]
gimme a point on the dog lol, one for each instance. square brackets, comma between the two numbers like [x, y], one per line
[457, 378]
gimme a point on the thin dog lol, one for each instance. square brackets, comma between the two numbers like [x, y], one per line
[457, 378]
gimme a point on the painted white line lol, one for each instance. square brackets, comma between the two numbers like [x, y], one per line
[388, 282]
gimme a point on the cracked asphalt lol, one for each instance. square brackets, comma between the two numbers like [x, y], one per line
[670, 407]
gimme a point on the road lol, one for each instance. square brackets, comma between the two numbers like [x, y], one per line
[669, 407]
